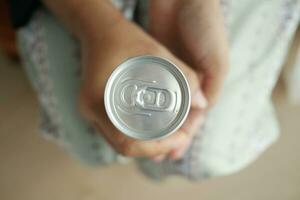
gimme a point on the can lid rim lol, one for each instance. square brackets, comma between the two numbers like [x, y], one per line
[178, 121]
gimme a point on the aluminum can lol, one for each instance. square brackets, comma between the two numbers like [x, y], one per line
[147, 97]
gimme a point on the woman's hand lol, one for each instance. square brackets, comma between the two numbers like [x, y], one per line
[194, 31]
[101, 54]
[107, 39]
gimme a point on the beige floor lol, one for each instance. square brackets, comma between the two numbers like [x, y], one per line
[34, 169]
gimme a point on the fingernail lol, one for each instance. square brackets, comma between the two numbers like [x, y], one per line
[200, 99]
[180, 141]
[158, 159]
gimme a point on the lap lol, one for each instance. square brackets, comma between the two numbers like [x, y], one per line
[236, 131]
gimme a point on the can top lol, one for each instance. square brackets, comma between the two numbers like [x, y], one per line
[147, 97]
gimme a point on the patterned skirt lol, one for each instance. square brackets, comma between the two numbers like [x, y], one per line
[236, 131]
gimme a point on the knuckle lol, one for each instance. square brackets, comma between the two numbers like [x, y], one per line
[192, 79]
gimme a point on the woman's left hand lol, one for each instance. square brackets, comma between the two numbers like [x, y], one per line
[194, 31]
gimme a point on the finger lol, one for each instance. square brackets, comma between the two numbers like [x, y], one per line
[209, 57]
[212, 85]
[165, 146]
[211, 68]
[130, 147]
[191, 128]
[178, 153]
[193, 122]
[198, 99]
[137, 148]
[115, 143]
[194, 129]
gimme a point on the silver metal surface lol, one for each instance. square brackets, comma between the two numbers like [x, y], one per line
[147, 97]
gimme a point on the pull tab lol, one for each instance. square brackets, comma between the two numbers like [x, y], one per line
[137, 96]
[155, 99]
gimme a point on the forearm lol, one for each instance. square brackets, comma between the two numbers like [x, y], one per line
[85, 18]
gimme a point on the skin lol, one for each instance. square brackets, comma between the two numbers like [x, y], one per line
[194, 31]
[197, 46]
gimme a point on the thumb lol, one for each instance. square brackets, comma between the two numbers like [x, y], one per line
[212, 82]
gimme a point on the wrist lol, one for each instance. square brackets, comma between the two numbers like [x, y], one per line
[96, 21]
[88, 18]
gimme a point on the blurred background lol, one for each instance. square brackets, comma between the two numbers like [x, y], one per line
[32, 168]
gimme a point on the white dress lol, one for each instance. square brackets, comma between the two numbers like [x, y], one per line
[236, 131]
